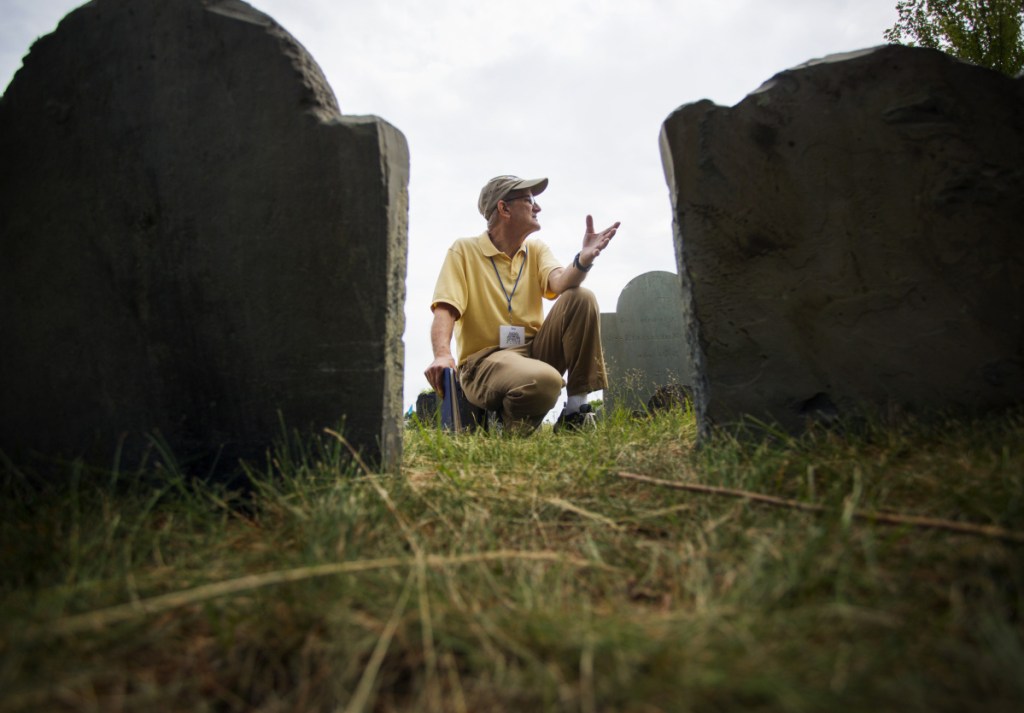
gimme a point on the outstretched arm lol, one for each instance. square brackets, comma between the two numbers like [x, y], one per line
[441, 330]
[573, 275]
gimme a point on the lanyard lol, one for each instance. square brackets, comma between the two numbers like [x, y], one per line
[509, 296]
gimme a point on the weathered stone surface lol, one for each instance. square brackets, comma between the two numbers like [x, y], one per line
[426, 407]
[849, 235]
[669, 397]
[194, 240]
[644, 342]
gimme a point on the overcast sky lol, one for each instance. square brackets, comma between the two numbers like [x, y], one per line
[569, 89]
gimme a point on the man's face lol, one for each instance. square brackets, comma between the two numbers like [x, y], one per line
[524, 209]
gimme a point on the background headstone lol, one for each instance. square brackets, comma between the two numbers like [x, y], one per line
[644, 341]
[850, 235]
[194, 240]
[426, 407]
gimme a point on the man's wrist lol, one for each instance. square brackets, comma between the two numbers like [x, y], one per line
[579, 266]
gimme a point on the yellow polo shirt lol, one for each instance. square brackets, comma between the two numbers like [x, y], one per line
[470, 283]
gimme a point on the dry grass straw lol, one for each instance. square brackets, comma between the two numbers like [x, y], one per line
[150, 606]
[966, 528]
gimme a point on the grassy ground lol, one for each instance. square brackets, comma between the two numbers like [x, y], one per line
[507, 574]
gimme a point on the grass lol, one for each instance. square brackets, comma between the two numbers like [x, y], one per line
[504, 574]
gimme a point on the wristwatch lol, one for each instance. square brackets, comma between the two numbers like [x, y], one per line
[578, 266]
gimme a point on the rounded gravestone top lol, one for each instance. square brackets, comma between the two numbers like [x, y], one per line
[655, 287]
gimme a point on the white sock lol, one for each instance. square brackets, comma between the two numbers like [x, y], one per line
[574, 403]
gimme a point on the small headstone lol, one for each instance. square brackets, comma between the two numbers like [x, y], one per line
[644, 342]
[194, 241]
[426, 407]
[849, 237]
[669, 397]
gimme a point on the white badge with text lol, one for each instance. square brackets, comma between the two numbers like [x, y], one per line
[511, 336]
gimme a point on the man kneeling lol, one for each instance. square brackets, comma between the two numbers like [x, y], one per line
[511, 359]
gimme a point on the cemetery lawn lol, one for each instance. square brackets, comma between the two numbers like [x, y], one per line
[534, 574]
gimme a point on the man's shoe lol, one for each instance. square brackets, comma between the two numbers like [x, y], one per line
[583, 420]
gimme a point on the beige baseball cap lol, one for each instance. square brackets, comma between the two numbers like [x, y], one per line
[500, 186]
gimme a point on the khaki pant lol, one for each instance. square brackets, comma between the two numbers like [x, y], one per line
[523, 383]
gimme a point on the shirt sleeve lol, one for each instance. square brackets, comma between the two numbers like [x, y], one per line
[451, 287]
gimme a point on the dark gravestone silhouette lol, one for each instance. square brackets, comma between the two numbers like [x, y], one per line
[426, 407]
[194, 240]
[849, 236]
[645, 344]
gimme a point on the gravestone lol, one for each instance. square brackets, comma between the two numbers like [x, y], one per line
[849, 238]
[194, 241]
[644, 342]
[426, 407]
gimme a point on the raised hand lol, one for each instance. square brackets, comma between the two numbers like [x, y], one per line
[594, 243]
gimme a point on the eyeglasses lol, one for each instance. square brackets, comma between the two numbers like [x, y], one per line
[529, 199]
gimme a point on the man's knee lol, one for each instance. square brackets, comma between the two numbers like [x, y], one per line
[540, 389]
[549, 385]
[581, 296]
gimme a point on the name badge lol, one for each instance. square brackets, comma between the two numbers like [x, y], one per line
[511, 336]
